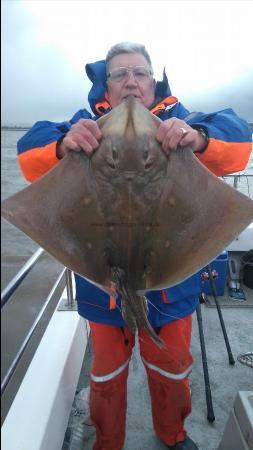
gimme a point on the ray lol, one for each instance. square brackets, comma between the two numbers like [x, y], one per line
[129, 213]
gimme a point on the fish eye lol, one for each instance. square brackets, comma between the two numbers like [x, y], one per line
[114, 153]
[111, 163]
[148, 159]
[149, 164]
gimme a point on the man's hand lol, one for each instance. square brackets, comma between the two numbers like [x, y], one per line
[174, 132]
[84, 135]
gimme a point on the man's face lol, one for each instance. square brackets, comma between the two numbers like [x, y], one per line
[143, 88]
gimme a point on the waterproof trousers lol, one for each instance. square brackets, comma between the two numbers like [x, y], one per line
[167, 371]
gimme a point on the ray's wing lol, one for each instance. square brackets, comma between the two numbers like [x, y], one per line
[198, 216]
[61, 212]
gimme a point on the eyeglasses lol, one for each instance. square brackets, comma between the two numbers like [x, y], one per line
[140, 73]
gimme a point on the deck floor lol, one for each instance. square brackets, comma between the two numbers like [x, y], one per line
[225, 381]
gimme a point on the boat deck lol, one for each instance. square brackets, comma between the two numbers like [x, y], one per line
[225, 381]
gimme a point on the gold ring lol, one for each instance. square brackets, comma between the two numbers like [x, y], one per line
[184, 131]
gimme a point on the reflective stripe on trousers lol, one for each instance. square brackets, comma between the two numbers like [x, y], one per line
[167, 371]
[111, 375]
[164, 373]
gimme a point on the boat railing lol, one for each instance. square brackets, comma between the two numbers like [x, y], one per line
[243, 182]
[11, 289]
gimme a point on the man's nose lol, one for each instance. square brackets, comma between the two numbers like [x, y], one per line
[131, 81]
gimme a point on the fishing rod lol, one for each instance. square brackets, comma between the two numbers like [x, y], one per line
[214, 294]
[209, 403]
[211, 275]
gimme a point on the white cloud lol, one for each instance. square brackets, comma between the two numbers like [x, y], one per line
[205, 47]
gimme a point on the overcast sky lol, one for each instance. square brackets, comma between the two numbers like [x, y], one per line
[205, 46]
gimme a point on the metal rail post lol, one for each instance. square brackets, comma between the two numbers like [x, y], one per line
[70, 296]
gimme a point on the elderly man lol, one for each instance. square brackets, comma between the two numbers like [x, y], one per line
[222, 141]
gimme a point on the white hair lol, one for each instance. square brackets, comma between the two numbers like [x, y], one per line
[127, 47]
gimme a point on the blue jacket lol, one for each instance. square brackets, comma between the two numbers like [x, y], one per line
[228, 151]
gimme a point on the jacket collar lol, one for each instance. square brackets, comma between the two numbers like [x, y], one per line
[104, 107]
[99, 104]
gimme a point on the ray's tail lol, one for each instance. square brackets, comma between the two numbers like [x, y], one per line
[134, 307]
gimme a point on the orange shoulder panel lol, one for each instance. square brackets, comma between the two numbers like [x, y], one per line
[223, 158]
[219, 158]
[163, 104]
[37, 161]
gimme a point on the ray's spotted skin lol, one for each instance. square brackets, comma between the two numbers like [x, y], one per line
[129, 213]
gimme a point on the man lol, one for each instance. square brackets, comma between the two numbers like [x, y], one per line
[221, 141]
